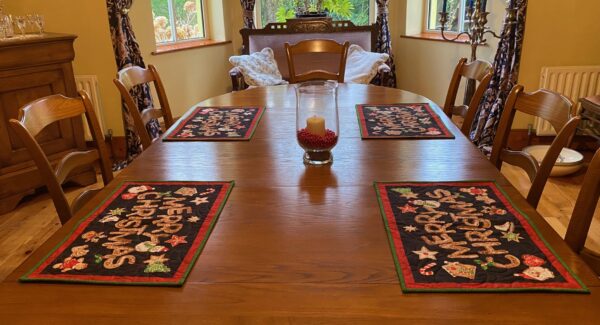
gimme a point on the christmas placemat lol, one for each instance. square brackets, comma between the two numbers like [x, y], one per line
[400, 121]
[144, 233]
[216, 123]
[467, 236]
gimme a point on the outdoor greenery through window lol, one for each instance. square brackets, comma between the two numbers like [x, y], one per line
[456, 15]
[177, 20]
[357, 11]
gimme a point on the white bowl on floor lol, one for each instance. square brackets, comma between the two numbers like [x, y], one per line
[568, 162]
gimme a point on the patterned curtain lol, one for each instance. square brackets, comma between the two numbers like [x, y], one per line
[506, 73]
[127, 53]
[248, 7]
[384, 42]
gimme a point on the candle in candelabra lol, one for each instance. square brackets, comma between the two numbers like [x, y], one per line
[445, 6]
[484, 6]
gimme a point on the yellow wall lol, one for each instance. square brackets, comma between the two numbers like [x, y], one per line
[424, 66]
[93, 48]
[189, 76]
[192, 75]
[558, 33]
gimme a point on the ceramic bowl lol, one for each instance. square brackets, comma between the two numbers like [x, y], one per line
[568, 162]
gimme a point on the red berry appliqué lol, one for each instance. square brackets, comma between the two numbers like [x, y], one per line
[313, 141]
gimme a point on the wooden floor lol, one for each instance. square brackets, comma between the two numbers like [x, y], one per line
[558, 200]
[26, 228]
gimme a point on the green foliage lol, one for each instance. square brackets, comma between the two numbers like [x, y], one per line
[282, 14]
[160, 8]
[453, 13]
[339, 8]
[278, 10]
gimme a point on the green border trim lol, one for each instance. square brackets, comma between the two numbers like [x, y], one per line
[449, 135]
[360, 127]
[199, 250]
[257, 120]
[584, 288]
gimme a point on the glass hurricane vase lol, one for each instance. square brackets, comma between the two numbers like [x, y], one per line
[317, 124]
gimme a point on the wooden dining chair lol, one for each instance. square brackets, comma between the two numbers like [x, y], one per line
[37, 115]
[316, 46]
[547, 105]
[480, 71]
[583, 213]
[133, 76]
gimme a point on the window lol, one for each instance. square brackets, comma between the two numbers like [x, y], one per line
[456, 9]
[360, 12]
[177, 20]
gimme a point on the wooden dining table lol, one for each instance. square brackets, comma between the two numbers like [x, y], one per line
[297, 243]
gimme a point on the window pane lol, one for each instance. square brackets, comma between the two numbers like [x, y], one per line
[454, 14]
[356, 11]
[188, 19]
[162, 21]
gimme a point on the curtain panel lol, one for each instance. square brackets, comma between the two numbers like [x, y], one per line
[127, 53]
[505, 76]
[248, 7]
[384, 42]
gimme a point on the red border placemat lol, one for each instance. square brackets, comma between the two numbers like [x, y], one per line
[143, 233]
[439, 234]
[400, 121]
[216, 123]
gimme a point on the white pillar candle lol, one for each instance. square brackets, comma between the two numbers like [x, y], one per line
[315, 125]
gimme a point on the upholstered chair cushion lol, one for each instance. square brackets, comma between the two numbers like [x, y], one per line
[362, 66]
[259, 68]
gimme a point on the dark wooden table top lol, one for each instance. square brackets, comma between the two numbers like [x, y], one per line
[296, 243]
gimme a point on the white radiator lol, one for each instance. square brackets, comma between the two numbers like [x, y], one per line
[573, 82]
[90, 85]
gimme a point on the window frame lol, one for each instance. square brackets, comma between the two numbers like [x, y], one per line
[258, 20]
[173, 26]
[429, 12]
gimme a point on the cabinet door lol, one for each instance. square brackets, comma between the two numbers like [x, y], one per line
[20, 88]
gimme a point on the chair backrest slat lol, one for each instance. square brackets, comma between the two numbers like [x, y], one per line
[150, 114]
[133, 76]
[542, 103]
[316, 46]
[476, 70]
[479, 71]
[42, 112]
[72, 161]
[550, 106]
[34, 116]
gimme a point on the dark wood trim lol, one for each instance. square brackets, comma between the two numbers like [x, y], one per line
[182, 46]
[307, 26]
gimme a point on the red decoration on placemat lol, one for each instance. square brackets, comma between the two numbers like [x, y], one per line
[400, 121]
[144, 233]
[467, 236]
[216, 123]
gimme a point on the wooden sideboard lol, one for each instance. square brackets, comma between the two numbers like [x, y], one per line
[29, 69]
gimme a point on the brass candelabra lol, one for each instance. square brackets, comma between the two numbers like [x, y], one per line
[476, 19]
